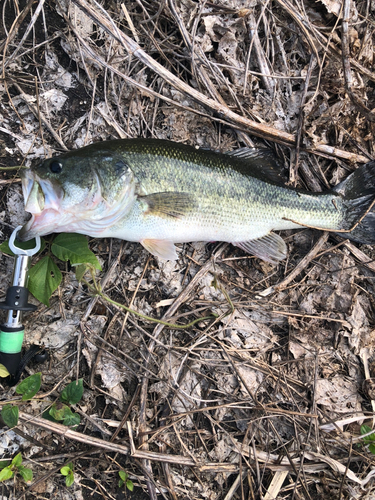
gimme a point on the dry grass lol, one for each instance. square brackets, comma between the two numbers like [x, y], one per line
[265, 401]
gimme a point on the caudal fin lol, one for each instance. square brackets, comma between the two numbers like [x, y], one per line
[358, 191]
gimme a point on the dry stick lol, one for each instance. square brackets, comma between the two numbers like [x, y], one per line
[361, 256]
[300, 266]
[202, 73]
[294, 170]
[346, 64]
[327, 45]
[39, 116]
[38, 111]
[130, 22]
[144, 388]
[258, 129]
[27, 32]
[197, 65]
[135, 294]
[147, 90]
[297, 18]
[276, 484]
[15, 26]
[368, 378]
[90, 307]
[103, 284]
[292, 463]
[126, 415]
[311, 424]
[12, 32]
[236, 484]
[266, 77]
[100, 350]
[62, 430]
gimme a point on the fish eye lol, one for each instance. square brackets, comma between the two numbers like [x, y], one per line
[55, 167]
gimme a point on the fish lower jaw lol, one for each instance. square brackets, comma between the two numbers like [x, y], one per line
[42, 223]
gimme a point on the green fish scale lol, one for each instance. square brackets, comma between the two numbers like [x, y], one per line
[226, 187]
[232, 199]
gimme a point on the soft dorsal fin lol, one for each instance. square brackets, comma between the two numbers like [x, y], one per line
[260, 162]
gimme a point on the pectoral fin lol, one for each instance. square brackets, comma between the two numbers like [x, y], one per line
[270, 248]
[168, 204]
[164, 249]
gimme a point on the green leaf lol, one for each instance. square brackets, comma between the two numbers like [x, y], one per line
[17, 460]
[29, 386]
[365, 429]
[372, 448]
[59, 411]
[6, 474]
[9, 414]
[69, 480]
[3, 371]
[26, 473]
[123, 475]
[49, 417]
[74, 247]
[25, 245]
[80, 271]
[72, 420]
[44, 278]
[4, 463]
[124, 480]
[66, 469]
[73, 392]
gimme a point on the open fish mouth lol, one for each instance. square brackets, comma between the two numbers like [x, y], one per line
[69, 209]
[43, 202]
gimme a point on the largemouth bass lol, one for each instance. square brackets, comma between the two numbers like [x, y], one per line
[159, 193]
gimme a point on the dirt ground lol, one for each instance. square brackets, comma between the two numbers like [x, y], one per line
[266, 401]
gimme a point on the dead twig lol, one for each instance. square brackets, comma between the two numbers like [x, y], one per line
[299, 268]
[258, 129]
[370, 115]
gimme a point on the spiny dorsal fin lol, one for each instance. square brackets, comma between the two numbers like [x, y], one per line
[270, 248]
[168, 204]
[260, 162]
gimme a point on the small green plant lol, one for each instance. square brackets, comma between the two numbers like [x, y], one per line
[124, 479]
[10, 468]
[370, 439]
[4, 371]
[29, 386]
[45, 276]
[9, 414]
[27, 389]
[67, 471]
[58, 412]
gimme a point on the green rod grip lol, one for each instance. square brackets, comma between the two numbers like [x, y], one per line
[11, 342]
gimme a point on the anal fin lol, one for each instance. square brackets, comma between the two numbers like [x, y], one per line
[164, 249]
[270, 248]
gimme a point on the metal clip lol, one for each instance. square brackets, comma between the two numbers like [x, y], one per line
[21, 251]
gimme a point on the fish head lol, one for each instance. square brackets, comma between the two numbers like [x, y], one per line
[83, 192]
